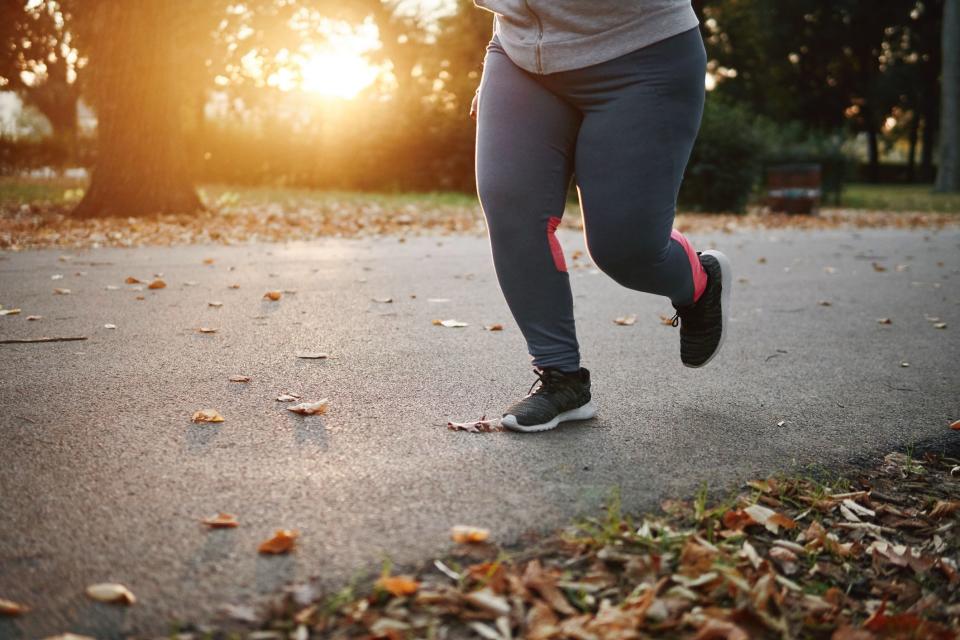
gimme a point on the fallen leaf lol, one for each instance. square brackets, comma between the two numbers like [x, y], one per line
[625, 321]
[487, 600]
[398, 585]
[463, 534]
[940, 325]
[666, 320]
[310, 408]
[272, 295]
[109, 326]
[761, 260]
[11, 608]
[884, 321]
[221, 521]
[312, 355]
[208, 261]
[477, 426]
[955, 425]
[383, 300]
[715, 629]
[61, 292]
[132, 280]
[111, 592]
[493, 327]
[878, 267]
[206, 330]
[69, 636]
[769, 518]
[233, 286]
[207, 415]
[283, 541]
[824, 303]
[944, 508]
[57, 276]
[287, 397]
[13, 312]
[157, 284]
[239, 378]
[34, 318]
[452, 324]
[737, 520]
[215, 303]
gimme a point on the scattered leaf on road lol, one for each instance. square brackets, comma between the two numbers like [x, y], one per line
[955, 425]
[451, 324]
[383, 300]
[206, 330]
[11, 608]
[310, 408]
[273, 295]
[464, 534]
[157, 284]
[208, 261]
[493, 327]
[132, 280]
[61, 292]
[824, 303]
[221, 521]
[625, 321]
[207, 415]
[215, 304]
[283, 541]
[939, 325]
[312, 355]
[287, 397]
[884, 321]
[944, 508]
[239, 378]
[878, 267]
[398, 585]
[34, 318]
[477, 426]
[11, 312]
[111, 592]
[109, 326]
[233, 286]
[666, 320]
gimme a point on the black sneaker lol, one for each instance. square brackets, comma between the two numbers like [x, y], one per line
[703, 325]
[559, 398]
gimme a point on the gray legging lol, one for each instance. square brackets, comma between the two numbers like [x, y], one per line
[625, 128]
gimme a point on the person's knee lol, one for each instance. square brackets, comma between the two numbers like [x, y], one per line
[622, 256]
[506, 202]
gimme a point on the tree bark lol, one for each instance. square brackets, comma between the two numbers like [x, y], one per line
[948, 171]
[141, 167]
[873, 152]
[912, 153]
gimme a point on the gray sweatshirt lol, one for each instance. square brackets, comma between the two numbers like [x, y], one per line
[547, 36]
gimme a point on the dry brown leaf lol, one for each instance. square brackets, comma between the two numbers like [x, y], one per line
[13, 312]
[534, 577]
[398, 585]
[132, 280]
[715, 629]
[283, 541]
[493, 327]
[33, 318]
[464, 534]
[208, 261]
[450, 324]
[541, 622]
[944, 508]
[221, 521]
[625, 321]
[61, 292]
[157, 284]
[239, 378]
[233, 286]
[312, 355]
[884, 321]
[737, 520]
[824, 303]
[287, 397]
[696, 559]
[477, 426]
[487, 600]
[207, 415]
[385, 300]
[761, 260]
[215, 303]
[11, 608]
[111, 592]
[666, 320]
[206, 330]
[955, 425]
[273, 295]
[310, 408]
[878, 267]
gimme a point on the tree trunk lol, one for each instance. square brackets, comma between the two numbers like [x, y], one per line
[141, 167]
[948, 171]
[912, 153]
[873, 152]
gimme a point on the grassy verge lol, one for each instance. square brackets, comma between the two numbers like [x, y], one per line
[915, 198]
[869, 555]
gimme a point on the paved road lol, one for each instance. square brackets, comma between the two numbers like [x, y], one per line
[103, 477]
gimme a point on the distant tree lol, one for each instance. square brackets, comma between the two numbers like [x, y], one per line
[38, 62]
[948, 174]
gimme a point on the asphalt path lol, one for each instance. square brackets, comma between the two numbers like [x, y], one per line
[103, 477]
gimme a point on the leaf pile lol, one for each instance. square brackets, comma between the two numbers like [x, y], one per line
[45, 224]
[870, 557]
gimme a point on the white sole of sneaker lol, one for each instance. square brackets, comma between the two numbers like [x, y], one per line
[726, 281]
[585, 412]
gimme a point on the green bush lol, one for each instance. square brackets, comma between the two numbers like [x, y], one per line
[726, 160]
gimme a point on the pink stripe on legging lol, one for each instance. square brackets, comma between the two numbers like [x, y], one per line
[699, 275]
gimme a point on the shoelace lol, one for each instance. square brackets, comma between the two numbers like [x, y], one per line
[543, 378]
[675, 320]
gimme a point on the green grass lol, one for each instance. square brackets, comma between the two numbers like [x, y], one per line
[899, 197]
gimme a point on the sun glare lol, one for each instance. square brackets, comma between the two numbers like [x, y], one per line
[336, 74]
